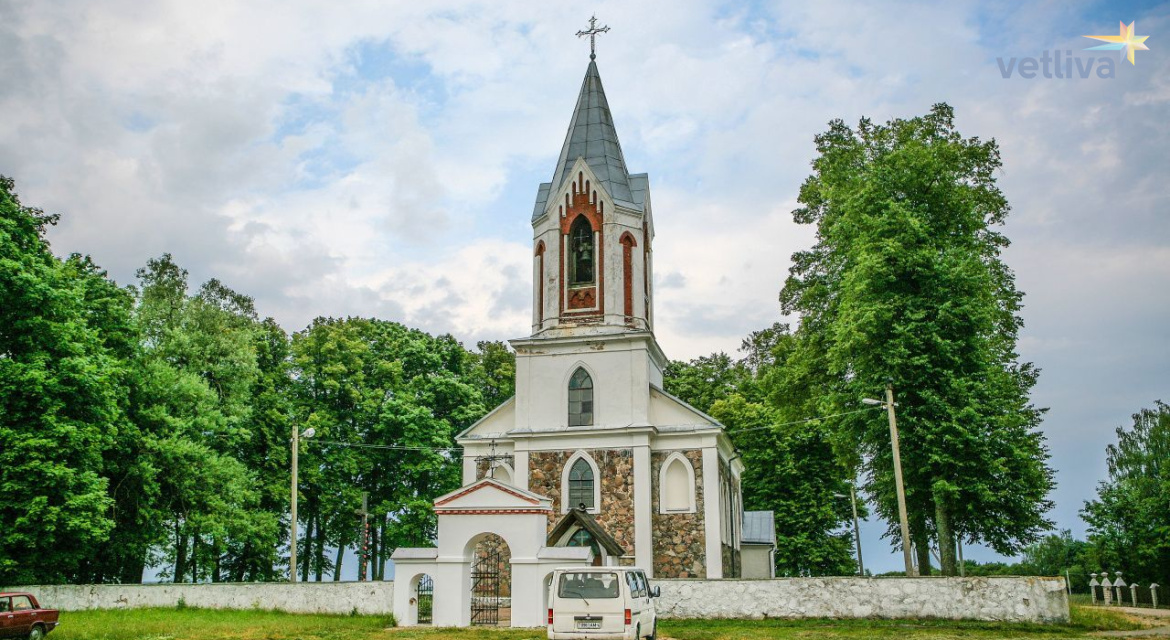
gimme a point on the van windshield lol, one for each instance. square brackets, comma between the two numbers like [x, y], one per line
[586, 585]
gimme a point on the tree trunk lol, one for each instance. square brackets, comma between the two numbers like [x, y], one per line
[195, 557]
[337, 563]
[946, 536]
[306, 556]
[922, 548]
[320, 569]
[180, 554]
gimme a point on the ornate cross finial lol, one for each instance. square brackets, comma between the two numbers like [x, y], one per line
[493, 460]
[592, 33]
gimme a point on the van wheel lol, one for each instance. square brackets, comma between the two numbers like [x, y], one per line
[638, 632]
[653, 631]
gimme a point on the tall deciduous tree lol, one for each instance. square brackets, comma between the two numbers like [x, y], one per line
[61, 388]
[906, 285]
[1129, 522]
[789, 469]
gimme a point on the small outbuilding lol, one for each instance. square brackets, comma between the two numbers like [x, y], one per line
[758, 544]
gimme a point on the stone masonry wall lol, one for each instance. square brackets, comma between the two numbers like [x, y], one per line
[616, 467]
[373, 597]
[679, 538]
[1011, 599]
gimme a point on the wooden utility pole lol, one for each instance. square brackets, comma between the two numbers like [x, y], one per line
[910, 571]
[292, 537]
[856, 529]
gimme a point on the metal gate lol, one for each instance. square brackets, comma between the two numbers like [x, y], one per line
[426, 599]
[485, 588]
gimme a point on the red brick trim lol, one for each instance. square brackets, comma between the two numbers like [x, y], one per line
[475, 487]
[628, 243]
[540, 285]
[579, 203]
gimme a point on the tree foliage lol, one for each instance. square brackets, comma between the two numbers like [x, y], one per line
[789, 469]
[61, 389]
[149, 426]
[1129, 521]
[906, 285]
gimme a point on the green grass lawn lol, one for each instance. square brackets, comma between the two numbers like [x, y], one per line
[209, 624]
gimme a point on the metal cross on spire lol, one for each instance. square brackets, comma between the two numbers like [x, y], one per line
[592, 33]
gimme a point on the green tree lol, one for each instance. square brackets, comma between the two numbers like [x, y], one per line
[906, 284]
[60, 402]
[1129, 521]
[386, 402]
[789, 469]
[494, 372]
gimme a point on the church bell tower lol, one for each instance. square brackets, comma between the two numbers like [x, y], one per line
[592, 231]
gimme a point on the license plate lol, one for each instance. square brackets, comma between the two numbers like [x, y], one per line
[588, 624]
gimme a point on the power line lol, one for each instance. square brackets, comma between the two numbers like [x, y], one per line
[804, 420]
[400, 447]
[397, 447]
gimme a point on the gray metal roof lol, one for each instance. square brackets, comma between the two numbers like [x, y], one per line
[759, 527]
[592, 136]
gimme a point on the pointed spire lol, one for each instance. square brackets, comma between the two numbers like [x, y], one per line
[592, 136]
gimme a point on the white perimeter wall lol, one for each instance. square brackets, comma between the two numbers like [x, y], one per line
[1023, 599]
[302, 597]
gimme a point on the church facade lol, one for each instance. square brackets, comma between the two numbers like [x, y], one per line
[591, 462]
[590, 423]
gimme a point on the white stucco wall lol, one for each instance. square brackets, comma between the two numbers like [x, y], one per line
[302, 597]
[1012, 599]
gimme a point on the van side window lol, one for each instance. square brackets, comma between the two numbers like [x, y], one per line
[643, 588]
[633, 583]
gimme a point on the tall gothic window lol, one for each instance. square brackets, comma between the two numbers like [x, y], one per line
[580, 399]
[581, 252]
[581, 485]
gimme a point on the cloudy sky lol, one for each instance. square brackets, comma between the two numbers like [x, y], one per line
[381, 159]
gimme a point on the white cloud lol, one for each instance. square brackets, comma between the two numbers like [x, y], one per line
[253, 141]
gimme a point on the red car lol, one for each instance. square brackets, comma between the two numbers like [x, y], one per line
[21, 616]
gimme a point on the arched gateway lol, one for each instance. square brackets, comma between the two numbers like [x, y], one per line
[482, 511]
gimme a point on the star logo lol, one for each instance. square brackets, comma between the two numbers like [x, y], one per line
[1123, 41]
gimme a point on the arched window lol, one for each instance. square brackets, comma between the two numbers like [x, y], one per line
[581, 485]
[580, 399]
[581, 251]
[677, 485]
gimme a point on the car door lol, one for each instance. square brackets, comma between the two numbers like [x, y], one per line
[23, 615]
[632, 601]
[6, 617]
[637, 606]
[648, 616]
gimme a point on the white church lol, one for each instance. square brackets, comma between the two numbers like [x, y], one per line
[591, 462]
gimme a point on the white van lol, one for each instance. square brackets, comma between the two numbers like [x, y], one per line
[601, 603]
